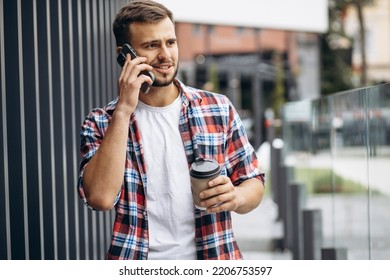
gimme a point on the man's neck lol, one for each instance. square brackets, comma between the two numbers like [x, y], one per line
[160, 96]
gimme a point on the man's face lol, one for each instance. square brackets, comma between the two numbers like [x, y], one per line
[157, 42]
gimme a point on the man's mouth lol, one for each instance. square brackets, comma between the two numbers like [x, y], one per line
[162, 68]
[165, 66]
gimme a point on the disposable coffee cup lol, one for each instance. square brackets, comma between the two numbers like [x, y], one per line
[201, 172]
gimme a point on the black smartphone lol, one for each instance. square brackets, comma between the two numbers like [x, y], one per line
[145, 87]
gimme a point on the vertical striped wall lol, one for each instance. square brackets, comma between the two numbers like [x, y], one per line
[57, 61]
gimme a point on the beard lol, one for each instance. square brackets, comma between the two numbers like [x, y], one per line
[165, 81]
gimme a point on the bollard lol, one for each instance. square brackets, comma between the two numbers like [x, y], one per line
[285, 208]
[312, 234]
[334, 253]
[276, 164]
[297, 204]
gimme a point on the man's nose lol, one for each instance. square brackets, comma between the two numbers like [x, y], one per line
[164, 53]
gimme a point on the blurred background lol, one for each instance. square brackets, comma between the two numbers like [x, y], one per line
[309, 80]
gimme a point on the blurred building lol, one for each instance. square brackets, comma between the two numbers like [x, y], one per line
[249, 64]
[299, 51]
[376, 14]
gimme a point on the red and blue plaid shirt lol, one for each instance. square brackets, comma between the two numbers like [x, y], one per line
[210, 128]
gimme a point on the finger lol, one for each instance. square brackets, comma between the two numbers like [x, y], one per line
[214, 191]
[219, 181]
[227, 206]
[137, 81]
[130, 65]
[134, 70]
[140, 80]
[125, 66]
[146, 79]
[218, 199]
[217, 186]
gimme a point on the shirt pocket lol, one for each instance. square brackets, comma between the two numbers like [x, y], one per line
[211, 146]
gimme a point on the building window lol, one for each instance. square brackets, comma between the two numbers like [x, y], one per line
[196, 29]
[240, 30]
[210, 29]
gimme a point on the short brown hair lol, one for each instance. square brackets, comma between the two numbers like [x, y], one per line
[140, 11]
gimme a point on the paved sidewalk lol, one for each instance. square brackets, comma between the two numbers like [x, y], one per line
[256, 231]
[348, 221]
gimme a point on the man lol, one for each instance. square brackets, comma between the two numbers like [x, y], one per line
[136, 152]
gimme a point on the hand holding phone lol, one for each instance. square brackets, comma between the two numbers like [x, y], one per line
[145, 87]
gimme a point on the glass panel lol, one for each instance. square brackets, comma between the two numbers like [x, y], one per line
[320, 169]
[349, 173]
[339, 148]
[378, 168]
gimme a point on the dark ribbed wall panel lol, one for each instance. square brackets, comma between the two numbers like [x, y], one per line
[4, 183]
[57, 61]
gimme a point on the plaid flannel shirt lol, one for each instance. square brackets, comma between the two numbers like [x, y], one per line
[210, 128]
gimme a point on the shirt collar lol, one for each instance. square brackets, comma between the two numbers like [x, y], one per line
[189, 94]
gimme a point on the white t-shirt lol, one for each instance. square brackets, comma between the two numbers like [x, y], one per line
[168, 192]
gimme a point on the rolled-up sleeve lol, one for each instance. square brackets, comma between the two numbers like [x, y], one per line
[242, 162]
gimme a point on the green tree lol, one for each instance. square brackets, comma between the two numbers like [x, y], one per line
[359, 7]
[336, 69]
[335, 73]
[336, 49]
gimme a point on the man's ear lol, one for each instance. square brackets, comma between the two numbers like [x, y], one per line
[118, 50]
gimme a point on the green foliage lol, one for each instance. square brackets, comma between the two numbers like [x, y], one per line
[335, 73]
[325, 181]
[336, 52]
[336, 49]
